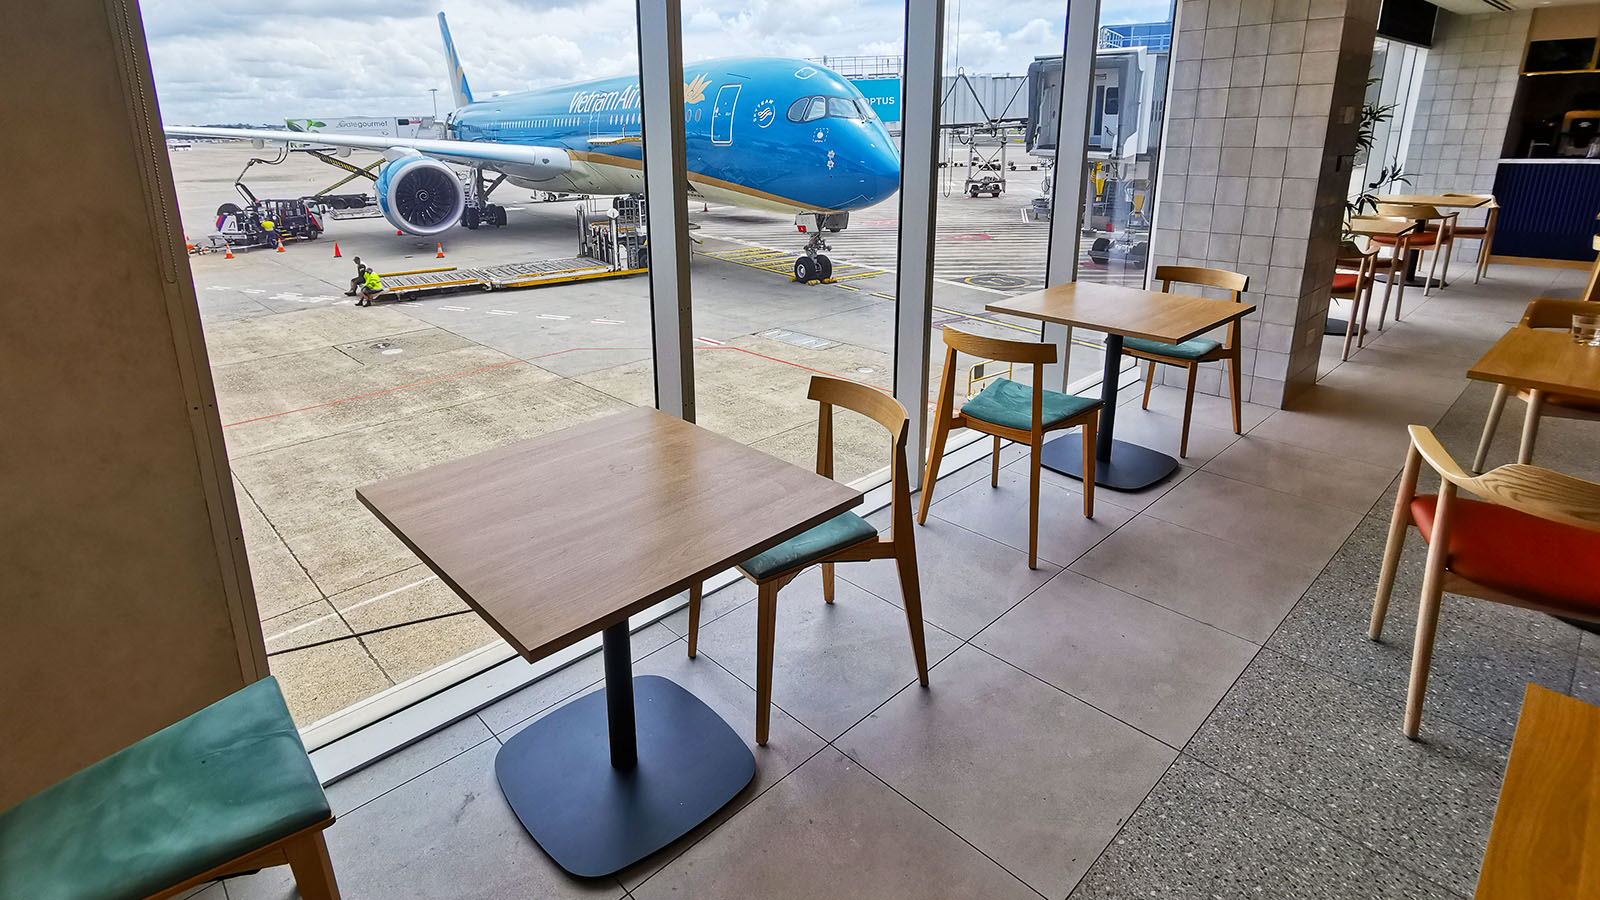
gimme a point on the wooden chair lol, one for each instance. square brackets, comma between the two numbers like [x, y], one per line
[1439, 240]
[226, 790]
[1006, 409]
[1533, 541]
[844, 538]
[1354, 286]
[1392, 268]
[1483, 234]
[1191, 353]
[1541, 313]
[1591, 291]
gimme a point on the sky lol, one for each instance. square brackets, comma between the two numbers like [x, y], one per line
[227, 63]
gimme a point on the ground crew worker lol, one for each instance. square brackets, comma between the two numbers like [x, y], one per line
[371, 287]
[361, 275]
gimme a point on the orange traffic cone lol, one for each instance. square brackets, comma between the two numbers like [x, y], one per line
[280, 245]
[229, 248]
[440, 254]
[336, 253]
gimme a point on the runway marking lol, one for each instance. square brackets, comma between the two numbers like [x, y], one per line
[557, 318]
[605, 322]
[501, 312]
[336, 614]
[456, 308]
[710, 341]
[252, 291]
[782, 262]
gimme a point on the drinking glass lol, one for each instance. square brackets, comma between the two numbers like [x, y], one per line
[1586, 330]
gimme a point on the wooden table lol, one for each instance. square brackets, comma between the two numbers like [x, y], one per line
[1379, 226]
[1453, 201]
[1547, 825]
[1541, 359]
[558, 537]
[1119, 312]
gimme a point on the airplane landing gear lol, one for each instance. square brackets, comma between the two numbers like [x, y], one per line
[814, 265]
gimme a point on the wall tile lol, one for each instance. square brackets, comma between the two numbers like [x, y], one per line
[1282, 68]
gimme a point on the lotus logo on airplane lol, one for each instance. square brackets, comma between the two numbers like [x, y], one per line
[695, 91]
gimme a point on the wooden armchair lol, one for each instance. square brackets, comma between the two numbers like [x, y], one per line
[1483, 234]
[1532, 541]
[1440, 240]
[1355, 286]
[844, 538]
[1016, 412]
[1191, 353]
[1541, 313]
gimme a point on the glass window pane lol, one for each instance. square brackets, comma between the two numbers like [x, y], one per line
[797, 109]
[843, 108]
[819, 108]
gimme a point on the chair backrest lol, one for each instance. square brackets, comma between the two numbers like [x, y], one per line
[881, 408]
[1592, 291]
[1412, 211]
[1217, 278]
[999, 348]
[1546, 312]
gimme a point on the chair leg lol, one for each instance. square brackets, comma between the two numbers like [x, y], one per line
[1350, 326]
[1483, 259]
[1490, 423]
[1388, 288]
[1149, 382]
[1530, 427]
[1366, 309]
[313, 870]
[1449, 251]
[694, 616]
[1188, 410]
[1427, 286]
[1398, 523]
[905, 561]
[1400, 292]
[1234, 387]
[930, 474]
[766, 628]
[1034, 453]
[827, 582]
[1089, 429]
[994, 466]
[1422, 647]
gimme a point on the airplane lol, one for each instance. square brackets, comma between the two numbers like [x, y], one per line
[783, 135]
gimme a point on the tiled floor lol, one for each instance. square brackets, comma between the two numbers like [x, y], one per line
[1179, 702]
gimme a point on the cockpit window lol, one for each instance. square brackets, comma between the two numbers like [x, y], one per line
[866, 108]
[819, 108]
[810, 109]
[842, 108]
[797, 109]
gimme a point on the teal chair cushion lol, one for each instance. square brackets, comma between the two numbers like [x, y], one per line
[1190, 349]
[837, 533]
[1010, 405]
[220, 784]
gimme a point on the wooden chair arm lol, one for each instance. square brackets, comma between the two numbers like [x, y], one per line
[1537, 491]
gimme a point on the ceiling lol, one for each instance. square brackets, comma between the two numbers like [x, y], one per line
[1482, 7]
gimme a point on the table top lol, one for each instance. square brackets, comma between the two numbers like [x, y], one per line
[558, 537]
[1461, 201]
[1547, 822]
[1544, 359]
[1379, 225]
[1132, 312]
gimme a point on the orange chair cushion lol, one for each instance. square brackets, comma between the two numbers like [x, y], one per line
[1346, 281]
[1555, 565]
[1417, 240]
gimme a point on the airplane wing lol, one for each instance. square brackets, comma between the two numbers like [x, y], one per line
[530, 162]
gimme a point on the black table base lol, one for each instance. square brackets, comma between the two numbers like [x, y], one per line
[1118, 465]
[616, 775]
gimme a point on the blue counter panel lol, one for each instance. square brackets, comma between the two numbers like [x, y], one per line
[1547, 210]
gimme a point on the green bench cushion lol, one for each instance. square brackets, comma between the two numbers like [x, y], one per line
[1010, 405]
[837, 533]
[215, 786]
[1190, 349]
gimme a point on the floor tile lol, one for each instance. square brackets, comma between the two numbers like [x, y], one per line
[832, 664]
[1206, 578]
[1324, 477]
[448, 833]
[1586, 674]
[1135, 500]
[1150, 667]
[1002, 514]
[713, 606]
[1263, 520]
[967, 580]
[790, 743]
[1202, 835]
[1335, 753]
[365, 785]
[1210, 410]
[1046, 781]
[510, 712]
[1207, 436]
[1350, 423]
[832, 830]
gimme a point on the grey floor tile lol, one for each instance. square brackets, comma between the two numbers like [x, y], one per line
[1586, 674]
[1334, 752]
[1210, 410]
[952, 480]
[1134, 500]
[832, 664]
[1206, 578]
[1046, 779]
[790, 742]
[1208, 435]
[1350, 423]
[1203, 836]
[508, 713]
[967, 580]
[1148, 666]
[1265, 521]
[448, 833]
[396, 769]
[1323, 477]
[832, 830]
[1002, 514]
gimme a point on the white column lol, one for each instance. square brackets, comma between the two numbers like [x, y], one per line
[1072, 145]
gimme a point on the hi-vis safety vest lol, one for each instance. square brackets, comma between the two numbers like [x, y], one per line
[372, 280]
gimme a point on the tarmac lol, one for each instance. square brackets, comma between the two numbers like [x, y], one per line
[318, 396]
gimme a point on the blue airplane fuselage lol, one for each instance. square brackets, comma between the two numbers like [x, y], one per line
[779, 134]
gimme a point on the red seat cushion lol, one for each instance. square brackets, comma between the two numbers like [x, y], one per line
[1555, 565]
[1417, 240]
[1345, 281]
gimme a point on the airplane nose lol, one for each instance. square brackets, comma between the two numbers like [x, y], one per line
[882, 170]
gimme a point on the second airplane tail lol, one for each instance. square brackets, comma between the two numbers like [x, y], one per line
[458, 78]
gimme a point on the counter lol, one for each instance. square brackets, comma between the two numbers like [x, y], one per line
[1547, 208]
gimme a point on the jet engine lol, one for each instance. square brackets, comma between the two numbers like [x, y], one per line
[419, 195]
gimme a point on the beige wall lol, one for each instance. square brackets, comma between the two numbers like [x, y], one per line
[1464, 105]
[123, 589]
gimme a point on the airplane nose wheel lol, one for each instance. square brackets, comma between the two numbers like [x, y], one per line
[812, 268]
